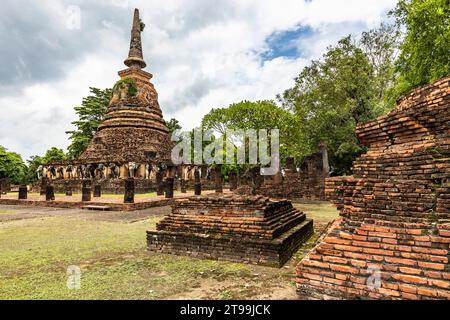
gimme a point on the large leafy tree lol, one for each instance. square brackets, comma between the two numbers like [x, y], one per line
[54, 154]
[91, 112]
[12, 166]
[425, 50]
[258, 115]
[330, 97]
[381, 47]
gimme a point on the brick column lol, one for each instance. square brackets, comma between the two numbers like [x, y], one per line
[183, 186]
[23, 192]
[169, 188]
[86, 191]
[218, 179]
[233, 181]
[97, 191]
[49, 193]
[160, 183]
[44, 183]
[68, 188]
[129, 190]
[198, 183]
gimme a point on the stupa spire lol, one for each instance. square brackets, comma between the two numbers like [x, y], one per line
[135, 57]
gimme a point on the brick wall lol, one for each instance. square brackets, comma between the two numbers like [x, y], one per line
[307, 183]
[395, 210]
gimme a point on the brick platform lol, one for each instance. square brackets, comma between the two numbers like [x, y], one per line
[115, 204]
[395, 211]
[251, 229]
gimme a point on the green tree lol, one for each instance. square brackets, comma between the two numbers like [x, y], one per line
[12, 166]
[32, 165]
[330, 97]
[381, 47]
[425, 51]
[91, 112]
[173, 125]
[53, 154]
[258, 115]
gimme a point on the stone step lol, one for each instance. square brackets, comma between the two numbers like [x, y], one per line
[97, 208]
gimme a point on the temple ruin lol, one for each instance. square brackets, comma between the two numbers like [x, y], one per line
[305, 182]
[392, 238]
[132, 140]
[239, 228]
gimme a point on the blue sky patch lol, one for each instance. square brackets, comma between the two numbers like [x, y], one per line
[285, 43]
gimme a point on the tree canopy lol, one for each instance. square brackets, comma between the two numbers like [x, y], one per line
[258, 115]
[91, 112]
[173, 125]
[333, 94]
[53, 154]
[424, 54]
[12, 166]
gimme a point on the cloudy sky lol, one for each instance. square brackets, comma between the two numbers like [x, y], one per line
[203, 54]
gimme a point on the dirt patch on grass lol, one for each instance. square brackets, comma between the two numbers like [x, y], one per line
[12, 213]
[130, 217]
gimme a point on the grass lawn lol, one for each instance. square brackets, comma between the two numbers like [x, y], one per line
[111, 251]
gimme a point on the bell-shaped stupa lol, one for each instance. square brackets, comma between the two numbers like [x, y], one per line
[133, 129]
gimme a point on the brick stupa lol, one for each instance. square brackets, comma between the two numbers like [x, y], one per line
[239, 228]
[392, 240]
[134, 128]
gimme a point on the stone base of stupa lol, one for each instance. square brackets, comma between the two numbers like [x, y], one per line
[245, 229]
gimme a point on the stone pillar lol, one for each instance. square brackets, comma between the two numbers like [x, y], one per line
[44, 183]
[257, 178]
[23, 192]
[326, 164]
[129, 191]
[198, 189]
[160, 183]
[233, 181]
[86, 195]
[204, 170]
[183, 186]
[177, 184]
[198, 184]
[97, 191]
[278, 178]
[218, 179]
[49, 193]
[169, 188]
[68, 188]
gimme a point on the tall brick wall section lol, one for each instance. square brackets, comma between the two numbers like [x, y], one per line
[395, 211]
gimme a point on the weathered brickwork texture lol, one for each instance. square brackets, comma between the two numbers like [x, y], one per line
[252, 229]
[395, 210]
[307, 183]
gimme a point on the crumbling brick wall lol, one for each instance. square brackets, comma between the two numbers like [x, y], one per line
[392, 239]
[307, 183]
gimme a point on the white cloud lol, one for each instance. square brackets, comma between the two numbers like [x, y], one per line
[203, 54]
